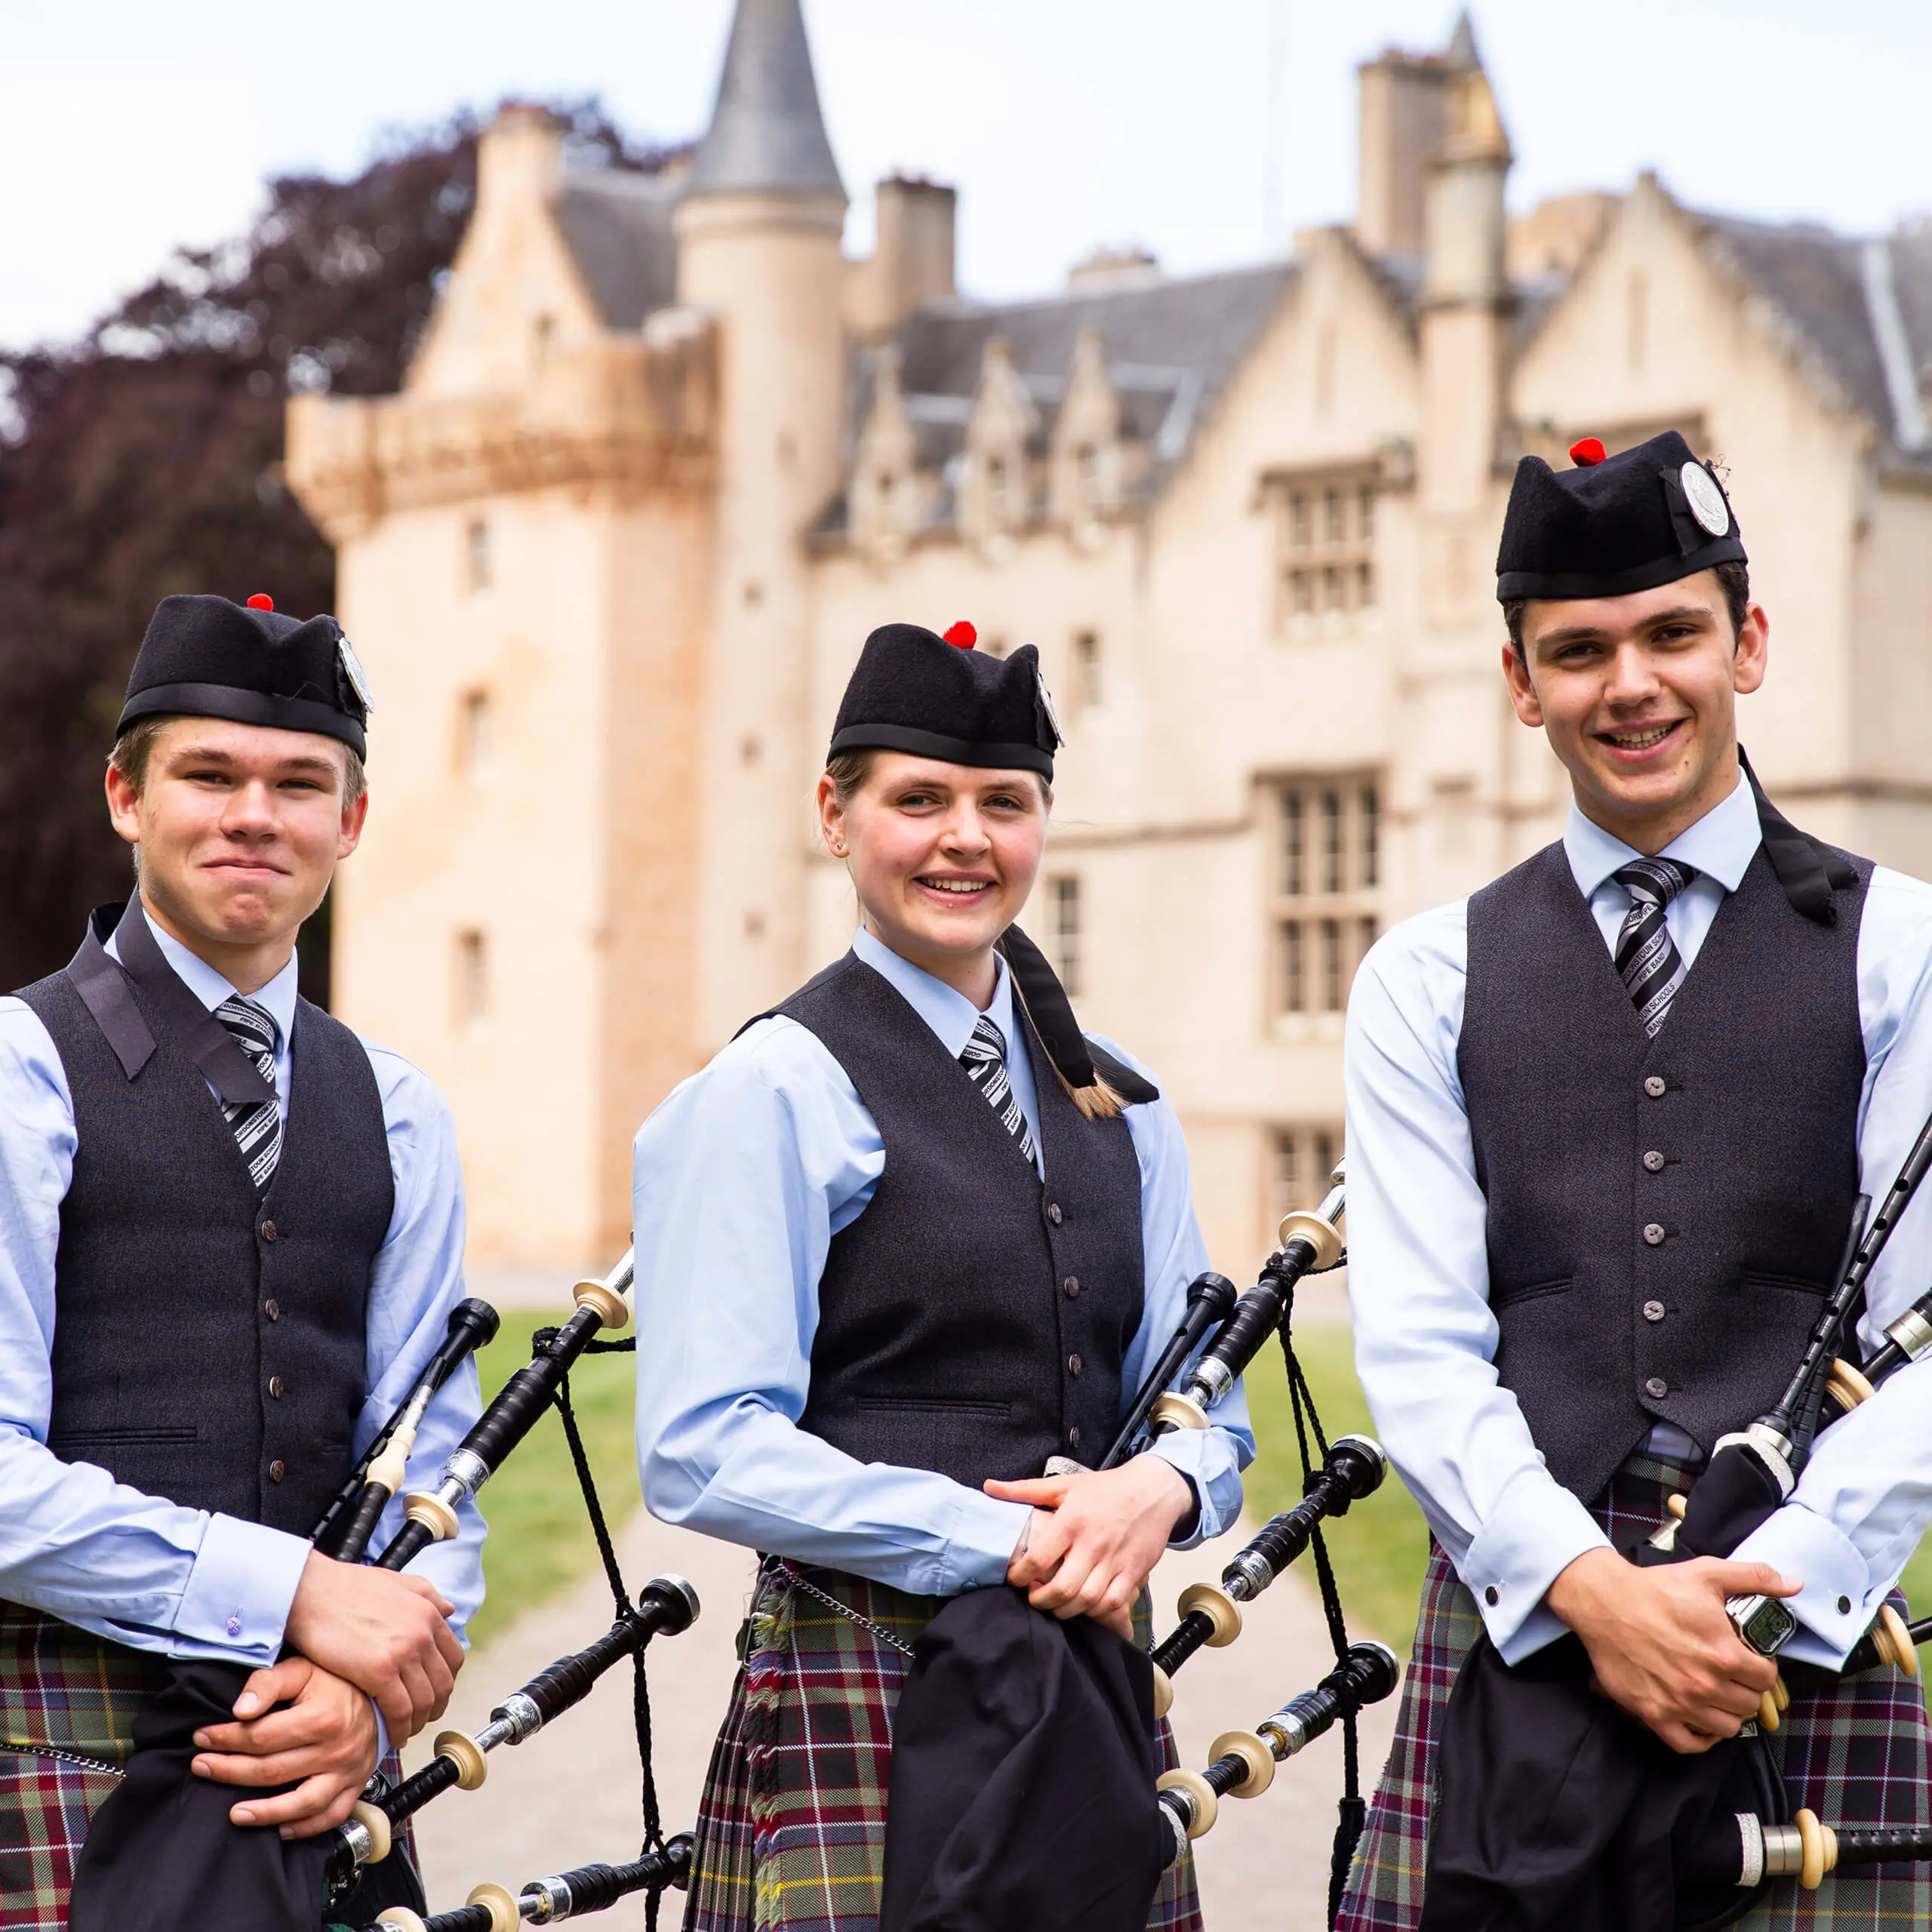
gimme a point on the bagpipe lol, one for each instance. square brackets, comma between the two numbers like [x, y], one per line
[1219, 1337]
[1243, 1761]
[162, 1849]
[1716, 1830]
[666, 1606]
[546, 1901]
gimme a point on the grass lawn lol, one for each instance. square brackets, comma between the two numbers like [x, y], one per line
[1380, 1547]
[540, 1535]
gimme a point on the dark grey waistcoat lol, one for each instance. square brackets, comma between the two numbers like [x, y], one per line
[1625, 1290]
[970, 1321]
[210, 1344]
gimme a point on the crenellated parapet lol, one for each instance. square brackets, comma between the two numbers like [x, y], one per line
[632, 414]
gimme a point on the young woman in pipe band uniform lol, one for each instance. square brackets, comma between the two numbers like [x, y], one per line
[891, 1264]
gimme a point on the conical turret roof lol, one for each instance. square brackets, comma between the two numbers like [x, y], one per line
[767, 134]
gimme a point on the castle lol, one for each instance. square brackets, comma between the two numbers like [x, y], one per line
[665, 456]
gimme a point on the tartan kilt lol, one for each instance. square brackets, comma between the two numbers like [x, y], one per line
[68, 1703]
[1856, 1750]
[791, 1829]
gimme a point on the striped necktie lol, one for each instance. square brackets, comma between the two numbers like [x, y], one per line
[257, 1124]
[1646, 955]
[984, 1059]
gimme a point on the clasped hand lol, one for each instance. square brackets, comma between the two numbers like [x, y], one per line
[366, 1639]
[1093, 1538]
[1661, 1644]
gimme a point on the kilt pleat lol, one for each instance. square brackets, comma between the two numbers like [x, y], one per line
[791, 1830]
[1856, 1750]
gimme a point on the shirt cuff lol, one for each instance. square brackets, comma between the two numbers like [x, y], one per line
[1840, 1597]
[237, 1601]
[984, 1534]
[1210, 1458]
[1535, 1533]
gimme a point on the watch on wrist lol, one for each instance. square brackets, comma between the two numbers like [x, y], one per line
[1767, 1624]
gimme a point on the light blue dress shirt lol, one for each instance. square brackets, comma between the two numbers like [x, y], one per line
[137, 1568]
[740, 1180]
[1419, 1275]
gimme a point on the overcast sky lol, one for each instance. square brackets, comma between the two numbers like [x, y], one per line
[1209, 130]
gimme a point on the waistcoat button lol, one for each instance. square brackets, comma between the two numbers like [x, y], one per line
[1654, 1086]
[1071, 1285]
[1653, 1233]
[1654, 1162]
[269, 1231]
[1053, 1214]
[1656, 1388]
[271, 1308]
[277, 1470]
[1073, 1437]
[275, 1386]
[1073, 1365]
[1653, 1311]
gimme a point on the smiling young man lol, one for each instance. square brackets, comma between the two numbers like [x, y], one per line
[916, 1238]
[1607, 1122]
[230, 1234]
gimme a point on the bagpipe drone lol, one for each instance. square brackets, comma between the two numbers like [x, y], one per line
[162, 1851]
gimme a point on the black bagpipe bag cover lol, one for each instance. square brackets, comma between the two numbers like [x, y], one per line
[161, 1855]
[1558, 1811]
[1022, 1787]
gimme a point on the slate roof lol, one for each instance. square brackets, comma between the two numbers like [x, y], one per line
[767, 133]
[618, 225]
[1171, 348]
[1825, 287]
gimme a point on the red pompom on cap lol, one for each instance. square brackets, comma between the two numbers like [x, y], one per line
[1587, 451]
[961, 635]
[261, 600]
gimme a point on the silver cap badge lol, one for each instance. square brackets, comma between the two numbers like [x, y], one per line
[1705, 499]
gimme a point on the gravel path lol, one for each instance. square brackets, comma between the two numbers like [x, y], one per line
[570, 1795]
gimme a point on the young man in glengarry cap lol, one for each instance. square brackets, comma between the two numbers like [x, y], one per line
[1607, 1122]
[230, 1234]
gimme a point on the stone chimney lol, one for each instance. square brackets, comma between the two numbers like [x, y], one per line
[520, 157]
[912, 261]
[1403, 116]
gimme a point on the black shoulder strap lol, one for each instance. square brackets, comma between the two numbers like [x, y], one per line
[102, 985]
[1808, 869]
[1078, 1062]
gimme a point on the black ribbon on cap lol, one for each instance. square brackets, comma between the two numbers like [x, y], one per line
[1808, 869]
[1078, 1062]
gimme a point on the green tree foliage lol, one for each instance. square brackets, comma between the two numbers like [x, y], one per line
[146, 459]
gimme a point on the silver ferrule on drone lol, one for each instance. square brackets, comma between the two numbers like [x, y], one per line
[545, 1899]
[515, 1719]
[1911, 1334]
[1247, 1575]
[1286, 1732]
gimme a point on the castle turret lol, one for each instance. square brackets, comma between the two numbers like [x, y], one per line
[759, 236]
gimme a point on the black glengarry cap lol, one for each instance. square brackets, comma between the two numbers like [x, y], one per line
[206, 657]
[913, 690]
[1614, 525]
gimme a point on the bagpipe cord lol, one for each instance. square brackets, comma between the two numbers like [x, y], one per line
[1353, 1811]
[653, 1826]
